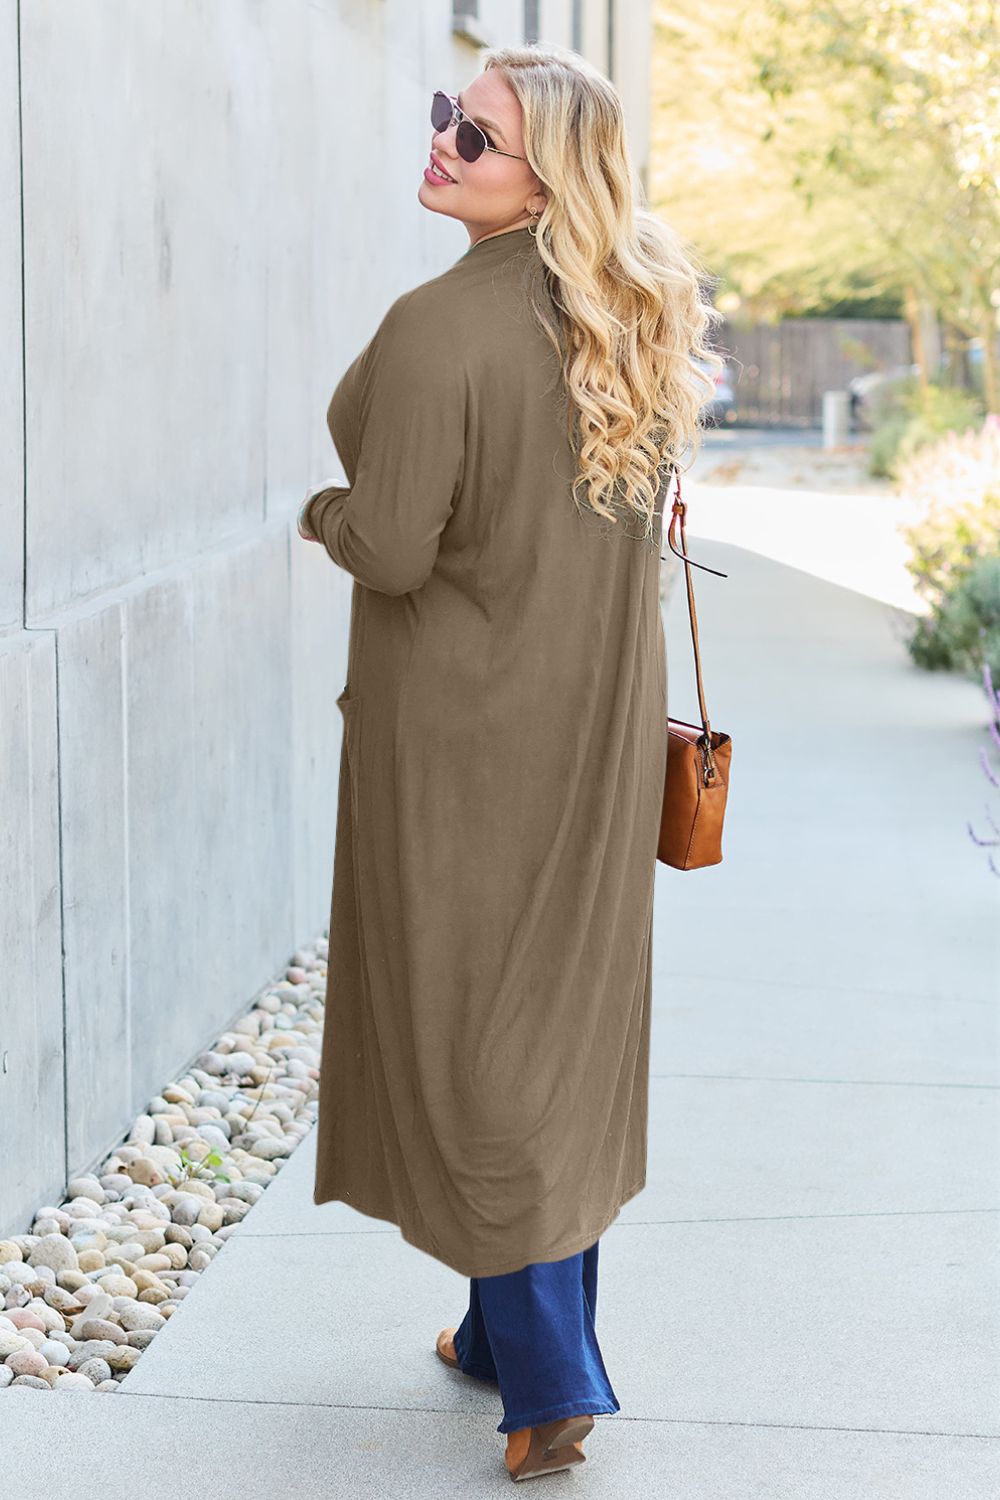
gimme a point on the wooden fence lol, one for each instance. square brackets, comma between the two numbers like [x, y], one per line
[780, 371]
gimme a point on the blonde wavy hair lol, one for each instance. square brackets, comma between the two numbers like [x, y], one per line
[630, 318]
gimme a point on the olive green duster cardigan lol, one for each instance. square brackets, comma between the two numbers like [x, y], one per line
[486, 1043]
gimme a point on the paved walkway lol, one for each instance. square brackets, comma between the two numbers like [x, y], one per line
[802, 1305]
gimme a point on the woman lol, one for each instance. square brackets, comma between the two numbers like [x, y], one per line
[504, 436]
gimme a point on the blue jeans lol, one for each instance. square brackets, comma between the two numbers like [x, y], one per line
[532, 1333]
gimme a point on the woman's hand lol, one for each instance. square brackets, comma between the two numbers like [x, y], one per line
[303, 529]
[301, 523]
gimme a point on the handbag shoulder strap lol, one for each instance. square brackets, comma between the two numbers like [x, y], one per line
[678, 513]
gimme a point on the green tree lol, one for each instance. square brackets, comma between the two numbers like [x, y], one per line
[808, 147]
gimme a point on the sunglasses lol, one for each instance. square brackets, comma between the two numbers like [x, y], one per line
[470, 142]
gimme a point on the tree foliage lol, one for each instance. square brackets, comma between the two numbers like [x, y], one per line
[810, 150]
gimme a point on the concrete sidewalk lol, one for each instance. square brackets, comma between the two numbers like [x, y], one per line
[802, 1304]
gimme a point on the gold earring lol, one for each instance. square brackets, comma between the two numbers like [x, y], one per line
[535, 215]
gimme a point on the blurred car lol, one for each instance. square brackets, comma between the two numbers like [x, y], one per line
[865, 391]
[722, 406]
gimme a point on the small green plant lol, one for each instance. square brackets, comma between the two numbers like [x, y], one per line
[909, 418]
[885, 442]
[963, 633]
[955, 549]
[972, 618]
[198, 1167]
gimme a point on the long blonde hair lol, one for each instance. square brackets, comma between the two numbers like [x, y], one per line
[625, 289]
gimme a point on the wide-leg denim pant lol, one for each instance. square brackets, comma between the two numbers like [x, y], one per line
[532, 1332]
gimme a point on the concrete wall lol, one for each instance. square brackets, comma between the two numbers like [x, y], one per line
[207, 208]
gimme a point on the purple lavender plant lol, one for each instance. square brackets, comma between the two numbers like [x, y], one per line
[993, 698]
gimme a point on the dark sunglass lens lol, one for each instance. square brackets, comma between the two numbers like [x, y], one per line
[440, 112]
[469, 141]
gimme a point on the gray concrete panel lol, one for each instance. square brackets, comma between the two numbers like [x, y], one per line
[240, 860]
[145, 288]
[739, 1026]
[11, 372]
[95, 853]
[209, 767]
[32, 1159]
[163, 838]
[320, 1448]
[863, 1322]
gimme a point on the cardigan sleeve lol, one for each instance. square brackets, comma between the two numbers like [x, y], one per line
[384, 527]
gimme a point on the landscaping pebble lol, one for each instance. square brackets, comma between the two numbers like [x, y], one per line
[96, 1277]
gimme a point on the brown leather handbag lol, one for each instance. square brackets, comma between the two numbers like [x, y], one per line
[698, 756]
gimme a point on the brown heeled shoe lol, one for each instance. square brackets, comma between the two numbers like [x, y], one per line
[532, 1451]
[445, 1347]
[546, 1449]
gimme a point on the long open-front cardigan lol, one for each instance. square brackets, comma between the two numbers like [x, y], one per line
[486, 1044]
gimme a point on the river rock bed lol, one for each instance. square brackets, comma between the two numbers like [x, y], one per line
[87, 1289]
